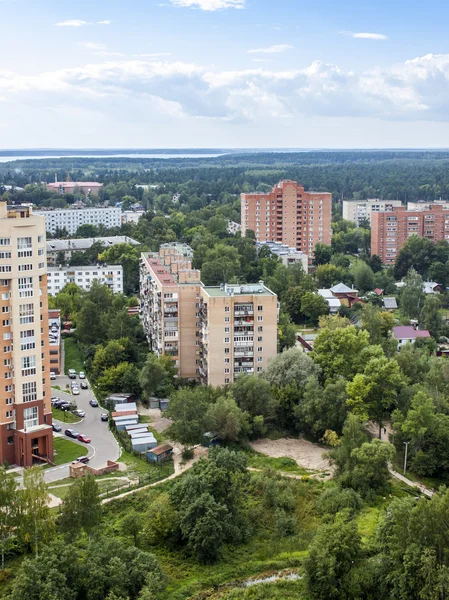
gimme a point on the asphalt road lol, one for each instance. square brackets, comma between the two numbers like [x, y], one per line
[103, 446]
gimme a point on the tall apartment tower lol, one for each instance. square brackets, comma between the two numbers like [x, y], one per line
[26, 435]
[289, 215]
[390, 230]
[212, 333]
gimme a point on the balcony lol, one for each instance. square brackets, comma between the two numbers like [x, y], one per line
[243, 344]
[238, 312]
[242, 353]
[249, 321]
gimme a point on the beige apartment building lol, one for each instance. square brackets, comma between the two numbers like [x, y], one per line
[290, 215]
[26, 435]
[359, 210]
[212, 333]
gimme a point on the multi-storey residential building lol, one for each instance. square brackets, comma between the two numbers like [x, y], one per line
[132, 216]
[208, 331]
[421, 205]
[110, 275]
[360, 210]
[26, 435]
[238, 331]
[68, 247]
[390, 230]
[54, 336]
[289, 256]
[290, 215]
[72, 218]
[69, 187]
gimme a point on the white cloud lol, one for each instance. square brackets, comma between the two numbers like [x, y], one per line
[271, 49]
[72, 23]
[153, 55]
[92, 46]
[365, 36]
[106, 53]
[209, 5]
[106, 22]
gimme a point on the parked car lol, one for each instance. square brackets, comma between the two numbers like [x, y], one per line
[72, 373]
[54, 400]
[79, 413]
[83, 385]
[82, 375]
[52, 376]
[81, 459]
[93, 403]
[75, 390]
[72, 433]
[56, 428]
[83, 438]
[66, 406]
[104, 417]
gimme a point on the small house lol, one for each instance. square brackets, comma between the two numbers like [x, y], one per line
[390, 303]
[405, 334]
[160, 453]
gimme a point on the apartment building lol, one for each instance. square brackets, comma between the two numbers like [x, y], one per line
[289, 256]
[54, 336]
[359, 210]
[238, 331]
[208, 331]
[110, 275]
[68, 247]
[26, 435]
[72, 218]
[390, 230]
[421, 205]
[290, 215]
[69, 187]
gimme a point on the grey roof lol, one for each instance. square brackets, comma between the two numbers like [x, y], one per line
[390, 303]
[86, 243]
[341, 288]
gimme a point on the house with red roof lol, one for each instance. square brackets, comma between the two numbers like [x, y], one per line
[405, 334]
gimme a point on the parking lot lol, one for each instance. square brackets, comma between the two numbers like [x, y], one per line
[103, 446]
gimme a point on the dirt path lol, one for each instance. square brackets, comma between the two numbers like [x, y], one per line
[306, 454]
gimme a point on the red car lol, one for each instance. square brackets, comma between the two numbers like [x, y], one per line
[83, 438]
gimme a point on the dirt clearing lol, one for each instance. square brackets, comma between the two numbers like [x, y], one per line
[306, 454]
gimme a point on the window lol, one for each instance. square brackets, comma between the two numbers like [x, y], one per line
[28, 365]
[6, 336]
[8, 388]
[260, 308]
[259, 339]
[41, 265]
[259, 359]
[24, 242]
[5, 309]
[26, 267]
[226, 350]
[8, 414]
[227, 371]
[227, 308]
[26, 313]
[8, 400]
[226, 340]
[25, 287]
[30, 417]
[5, 254]
[227, 360]
[27, 340]
[25, 253]
[227, 380]
[226, 329]
[227, 319]
[7, 362]
[10, 440]
[5, 268]
[259, 369]
[5, 241]
[6, 348]
[40, 252]
[5, 322]
[260, 349]
[5, 282]
[29, 393]
[40, 238]
[260, 318]
[260, 329]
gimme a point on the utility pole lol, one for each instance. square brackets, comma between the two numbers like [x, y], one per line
[405, 457]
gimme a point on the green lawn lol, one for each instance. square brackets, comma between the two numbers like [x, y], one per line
[72, 356]
[284, 463]
[66, 451]
[64, 416]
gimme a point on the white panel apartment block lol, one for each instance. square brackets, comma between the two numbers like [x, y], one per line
[72, 218]
[110, 275]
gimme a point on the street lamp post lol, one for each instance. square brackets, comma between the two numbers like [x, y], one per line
[405, 457]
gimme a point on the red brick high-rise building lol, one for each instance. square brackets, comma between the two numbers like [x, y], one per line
[390, 230]
[289, 215]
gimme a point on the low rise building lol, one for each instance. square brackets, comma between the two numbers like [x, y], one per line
[408, 334]
[233, 227]
[68, 247]
[287, 254]
[110, 275]
[132, 216]
[72, 218]
[360, 210]
[70, 187]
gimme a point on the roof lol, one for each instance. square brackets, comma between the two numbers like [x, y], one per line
[341, 288]
[159, 271]
[333, 302]
[142, 435]
[235, 290]
[408, 332]
[325, 293]
[123, 413]
[86, 243]
[149, 439]
[161, 449]
[378, 291]
[390, 303]
[72, 184]
[429, 287]
[126, 406]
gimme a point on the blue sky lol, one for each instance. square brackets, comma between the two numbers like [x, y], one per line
[224, 73]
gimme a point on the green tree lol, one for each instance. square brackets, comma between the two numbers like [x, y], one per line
[157, 376]
[322, 408]
[121, 378]
[187, 409]
[8, 508]
[128, 257]
[226, 419]
[314, 306]
[34, 521]
[363, 276]
[339, 352]
[287, 332]
[328, 275]
[292, 303]
[369, 474]
[430, 315]
[322, 254]
[291, 367]
[132, 524]
[81, 509]
[253, 395]
[221, 265]
[412, 295]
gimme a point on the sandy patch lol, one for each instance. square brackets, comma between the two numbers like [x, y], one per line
[306, 454]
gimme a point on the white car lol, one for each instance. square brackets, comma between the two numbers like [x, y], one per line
[52, 376]
[75, 390]
[82, 375]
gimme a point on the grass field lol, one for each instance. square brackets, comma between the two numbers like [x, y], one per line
[66, 451]
[64, 416]
[72, 356]
[284, 463]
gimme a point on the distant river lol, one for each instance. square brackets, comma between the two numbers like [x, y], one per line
[17, 157]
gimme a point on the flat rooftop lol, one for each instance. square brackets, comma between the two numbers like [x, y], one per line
[245, 289]
[160, 272]
[85, 243]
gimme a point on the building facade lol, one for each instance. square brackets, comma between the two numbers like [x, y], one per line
[54, 336]
[289, 256]
[65, 248]
[26, 435]
[72, 218]
[359, 210]
[69, 187]
[390, 230]
[110, 275]
[190, 322]
[290, 215]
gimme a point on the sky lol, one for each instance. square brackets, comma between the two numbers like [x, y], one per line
[224, 74]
